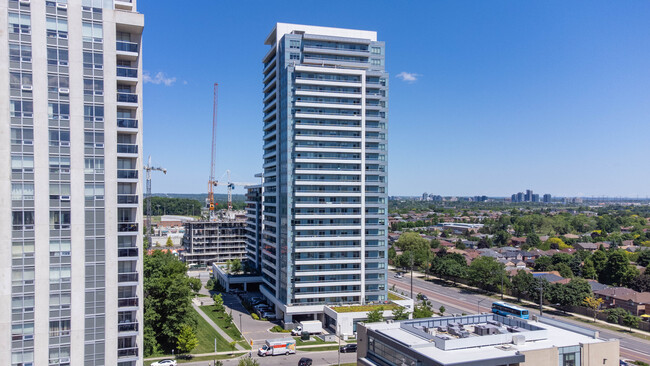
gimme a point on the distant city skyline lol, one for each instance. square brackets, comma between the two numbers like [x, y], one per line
[486, 98]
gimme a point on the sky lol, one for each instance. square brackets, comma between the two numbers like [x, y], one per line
[486, 97]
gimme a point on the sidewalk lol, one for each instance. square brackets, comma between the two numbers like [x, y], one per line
[529, 303]
[217, 328]
[198, 355]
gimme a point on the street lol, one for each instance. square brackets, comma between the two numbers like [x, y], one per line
[458, 300]
[319, 359]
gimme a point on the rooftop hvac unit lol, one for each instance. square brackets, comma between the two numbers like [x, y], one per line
[518, 339]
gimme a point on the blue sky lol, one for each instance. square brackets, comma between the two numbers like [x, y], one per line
[503, 95]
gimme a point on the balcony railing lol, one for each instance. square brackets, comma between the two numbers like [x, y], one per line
[127, 327]
[127, 174]
[127, 148]
[127, 227]
[126, 46]
[127, 277]
[127, 72]
[131, 301]
[127, 252]
[125, 352]
[127, 97]
[127, 198]
[127, 123]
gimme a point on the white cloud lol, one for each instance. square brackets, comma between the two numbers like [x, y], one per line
[159, 78]
[409, 77]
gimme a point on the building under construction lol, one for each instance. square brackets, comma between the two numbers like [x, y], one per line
[216, 241]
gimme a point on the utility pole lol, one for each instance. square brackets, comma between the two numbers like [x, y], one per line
[338, 326]
[412, 260]
[541, 298]
[502, 286]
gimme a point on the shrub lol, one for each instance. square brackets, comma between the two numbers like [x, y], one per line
[254, 316]
[279, 329]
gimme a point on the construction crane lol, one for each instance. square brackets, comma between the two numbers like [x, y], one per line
[231, 186]
[212, 182]
[148, 169]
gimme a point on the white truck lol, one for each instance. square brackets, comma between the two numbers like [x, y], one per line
[283, 346]
[310, 326]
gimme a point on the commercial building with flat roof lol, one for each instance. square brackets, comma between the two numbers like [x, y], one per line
[482, 340]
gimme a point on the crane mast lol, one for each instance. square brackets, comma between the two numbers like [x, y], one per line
[148, 169]
[212, 182]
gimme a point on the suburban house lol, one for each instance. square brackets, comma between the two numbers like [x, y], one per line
[638, 303]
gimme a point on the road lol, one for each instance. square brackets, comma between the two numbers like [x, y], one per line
[458, 300]
[319, 359]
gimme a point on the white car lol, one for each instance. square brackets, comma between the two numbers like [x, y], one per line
[166, 362]
[398, 275]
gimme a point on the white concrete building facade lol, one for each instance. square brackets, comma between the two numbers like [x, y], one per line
[324, 228]
[70, 190]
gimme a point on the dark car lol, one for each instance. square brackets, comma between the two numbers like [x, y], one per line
[304, 362]
[349, 348]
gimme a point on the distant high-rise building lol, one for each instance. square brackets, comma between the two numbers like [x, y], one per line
[520, 197]
[324, 228]
[535, 198]
[529, 196]
[547, 198]
[70, 203]
[425, 196]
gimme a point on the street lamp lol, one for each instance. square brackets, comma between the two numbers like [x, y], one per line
[240, 327]
[338, 327]
[478, 305]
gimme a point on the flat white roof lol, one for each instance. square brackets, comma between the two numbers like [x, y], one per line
[286, 28]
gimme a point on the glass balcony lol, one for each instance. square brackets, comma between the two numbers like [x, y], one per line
[127, 277]
[127, 123]
[127, 252]
[125, 352]
[127, 97]
[127, 72]
[127, 174]
[127, 198]
[127, 327]
[126, 46]
[127, 149]
[126, 227]
[127, 302]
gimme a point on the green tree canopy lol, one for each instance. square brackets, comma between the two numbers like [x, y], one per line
[186, 340]
[375, 316]
[486, 272]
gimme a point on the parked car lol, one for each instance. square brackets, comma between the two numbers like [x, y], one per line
[268, 315]
[304, 362]
[398, 275]
[165, 362]
[349, 348]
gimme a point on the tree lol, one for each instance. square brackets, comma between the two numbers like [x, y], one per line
[247, 361]
[442, 310]
[599, 258]
[169, 242]
[186, 340]
[641, 283]
[486, 272]
[543, 264]
[449, 267]
[412, 243]
[533, 240]
[235, 266]
[501, 238]
[564, 270]
[643, 258]
[556, 243]
[521, 283]
[593, 303]
[218, 303]
[167, 301]
[615, 315]
[228, 319]
[435, 243]
[375, 316]
[617, 272]
[631, 321]
[196, 284]
[571, 294]
[460, 245]
[588, 270]
[400, 313]
[422, 310]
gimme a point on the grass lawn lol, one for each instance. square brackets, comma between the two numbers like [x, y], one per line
[202, 358]
[363, 308]
[218, 318]
[314, 341]
[206, 335]
[393, 296]
[612, 328]
[320, 349]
